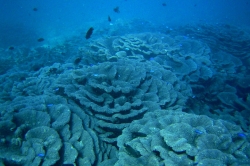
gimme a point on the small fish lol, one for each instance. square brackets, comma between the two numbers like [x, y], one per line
[50, 105]
[35, 9]
[40, 39]
[22, 78]
[198, 132]
[89, 33]
[164, 4]
[77, 60]
[11, 48]
[109, 19]
[116, 9]
[41, 155]
[56, 89]
[241, 135]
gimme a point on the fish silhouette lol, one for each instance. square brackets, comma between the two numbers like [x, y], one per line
[40, 39]
[11, 48]
[116, 9]
[89, 33]
[77, 60]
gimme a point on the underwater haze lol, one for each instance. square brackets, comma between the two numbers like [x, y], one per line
[125, 82]
[57, 20]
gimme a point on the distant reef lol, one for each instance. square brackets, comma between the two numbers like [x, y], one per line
[180, 97]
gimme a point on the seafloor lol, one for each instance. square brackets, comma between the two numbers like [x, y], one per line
[173, 97]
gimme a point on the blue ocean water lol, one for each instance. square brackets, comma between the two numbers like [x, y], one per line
[58, 20]
[124, 82]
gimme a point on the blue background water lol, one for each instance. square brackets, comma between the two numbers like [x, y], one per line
[58, 19]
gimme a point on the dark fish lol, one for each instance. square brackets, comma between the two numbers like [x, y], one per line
[40, 39]
[89, 33]
[164, 4]
[109, 19]
[77, 60]
[22, 78]
[116, 9]
[35, 9]
[11, 48]
[138, 134]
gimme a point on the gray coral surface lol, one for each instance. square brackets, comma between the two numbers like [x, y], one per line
[169, 137]
[137, 99]
[114, 94]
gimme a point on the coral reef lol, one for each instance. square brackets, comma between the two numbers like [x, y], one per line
[136, 99]
[119, 92]
[168, 137]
